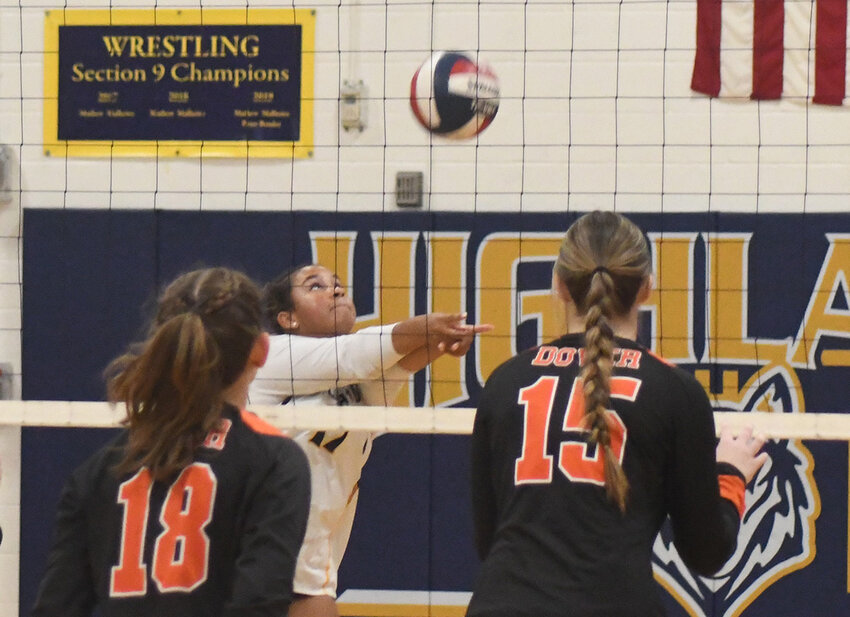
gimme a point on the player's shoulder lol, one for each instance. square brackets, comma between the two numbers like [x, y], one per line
[99, 466]
[246, 441]
[518, 369]
[256, 424]
[246, 431]
[502, 373]
[676, 380]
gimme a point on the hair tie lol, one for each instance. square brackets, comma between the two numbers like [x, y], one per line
[600, 269]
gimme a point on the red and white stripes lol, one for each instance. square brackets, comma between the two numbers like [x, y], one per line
[771, 49]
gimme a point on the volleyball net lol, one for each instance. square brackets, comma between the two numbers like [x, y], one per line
[402, 420]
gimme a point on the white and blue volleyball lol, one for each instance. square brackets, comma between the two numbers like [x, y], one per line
[454, 95]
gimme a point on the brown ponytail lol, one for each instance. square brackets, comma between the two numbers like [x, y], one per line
[603, 261]
[173, 383]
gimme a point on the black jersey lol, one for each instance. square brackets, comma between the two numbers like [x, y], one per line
[551, 541]
[221, 538]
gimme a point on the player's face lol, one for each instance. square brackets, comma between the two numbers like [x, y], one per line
[321, 305]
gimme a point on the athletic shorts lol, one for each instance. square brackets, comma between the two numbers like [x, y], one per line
[336, 460]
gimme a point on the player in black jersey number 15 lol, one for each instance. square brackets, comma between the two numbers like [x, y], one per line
[198, 508]
[583, 446]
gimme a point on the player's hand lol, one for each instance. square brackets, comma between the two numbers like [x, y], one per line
[454, 336]
[742, 451]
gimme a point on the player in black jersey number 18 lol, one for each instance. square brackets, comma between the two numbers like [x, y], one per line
[198, 507]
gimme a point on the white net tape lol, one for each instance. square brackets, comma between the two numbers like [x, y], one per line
[448, 420]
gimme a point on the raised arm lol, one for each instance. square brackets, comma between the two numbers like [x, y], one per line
[305, 365]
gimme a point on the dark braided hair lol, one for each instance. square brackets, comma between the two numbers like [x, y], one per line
[604, 261]
[173, 383]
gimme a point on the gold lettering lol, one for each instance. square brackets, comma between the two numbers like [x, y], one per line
[153, 47]
[250, 46]
[231, 45]
[177, 72]
[726, 305]
[137, 47]
[77, 69]
[447, 294]
[184, 46]
[116, 73]
[820, 318]
[115, 44]
[671, 303]
[499, 255]
[167, 47]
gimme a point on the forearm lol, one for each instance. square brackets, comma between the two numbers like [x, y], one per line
[410, 335]
[420, 358]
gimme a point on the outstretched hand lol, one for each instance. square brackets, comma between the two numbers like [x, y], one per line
[741, 451]
[454, 335]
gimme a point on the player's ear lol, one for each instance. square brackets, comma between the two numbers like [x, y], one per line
[287, 321]
[646, 289]
[260, 351]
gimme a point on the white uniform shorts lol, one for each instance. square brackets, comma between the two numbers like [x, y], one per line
[336, 460]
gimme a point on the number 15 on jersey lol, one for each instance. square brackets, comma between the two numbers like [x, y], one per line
[534, 466]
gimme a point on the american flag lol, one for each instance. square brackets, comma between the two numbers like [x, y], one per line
[771, 49]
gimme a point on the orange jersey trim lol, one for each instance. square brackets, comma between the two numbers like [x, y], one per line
[259, 426]
[660, 358]
[733, 489]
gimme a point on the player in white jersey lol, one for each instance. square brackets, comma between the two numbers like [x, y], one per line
[315, 359]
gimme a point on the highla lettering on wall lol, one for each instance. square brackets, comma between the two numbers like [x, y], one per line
[699, 316]
[674, 328]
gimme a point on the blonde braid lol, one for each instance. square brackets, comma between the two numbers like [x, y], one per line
[603, 262]
[596, 379]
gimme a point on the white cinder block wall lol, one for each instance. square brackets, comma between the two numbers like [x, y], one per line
[596, 112]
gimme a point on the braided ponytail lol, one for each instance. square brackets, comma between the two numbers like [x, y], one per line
[596, 379]
[603, 262]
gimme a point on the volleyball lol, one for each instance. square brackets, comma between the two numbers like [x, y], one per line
[454, 95]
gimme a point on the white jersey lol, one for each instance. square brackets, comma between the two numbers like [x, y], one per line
[352, 369]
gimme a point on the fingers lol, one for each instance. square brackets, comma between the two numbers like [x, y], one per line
[454, 335]
[742, 450]
[752, 442]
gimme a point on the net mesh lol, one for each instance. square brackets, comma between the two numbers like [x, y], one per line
[402, 420]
